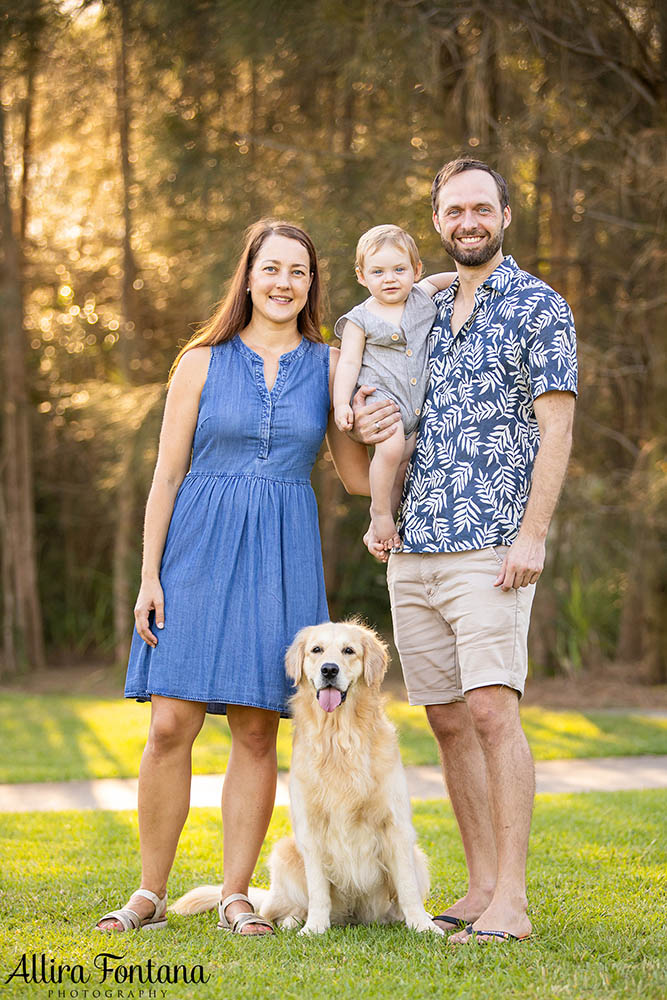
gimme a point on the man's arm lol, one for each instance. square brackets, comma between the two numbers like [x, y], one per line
[524, 562]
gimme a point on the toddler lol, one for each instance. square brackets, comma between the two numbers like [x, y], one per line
[384, 343]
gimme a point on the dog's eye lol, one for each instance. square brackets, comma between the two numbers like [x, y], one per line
[316, 649]
[348, 651]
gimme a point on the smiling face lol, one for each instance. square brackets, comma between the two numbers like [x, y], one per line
[388, 274]
[279, 279]
[470, 219]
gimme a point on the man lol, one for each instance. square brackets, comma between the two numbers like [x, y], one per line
[491, 455]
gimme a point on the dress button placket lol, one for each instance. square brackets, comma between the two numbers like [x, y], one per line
[265, 425]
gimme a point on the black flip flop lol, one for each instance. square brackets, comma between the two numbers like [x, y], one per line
[458, 922]
[504, 935]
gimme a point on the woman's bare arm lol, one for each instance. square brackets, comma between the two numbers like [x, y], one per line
[178, 428]
[350, 458]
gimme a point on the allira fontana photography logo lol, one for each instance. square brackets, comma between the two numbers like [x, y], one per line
[108, 969]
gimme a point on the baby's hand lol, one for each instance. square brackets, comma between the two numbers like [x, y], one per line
[375, 547]
[344, 417]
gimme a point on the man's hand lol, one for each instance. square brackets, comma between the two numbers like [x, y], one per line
[374, 546]
[375, 421]
[523, 563]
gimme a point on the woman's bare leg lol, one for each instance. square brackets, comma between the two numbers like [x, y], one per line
[164, 793]
[248, 797]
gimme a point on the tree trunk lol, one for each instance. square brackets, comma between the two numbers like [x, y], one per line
[23, 637]
[125, 529]
[31, 72]
[480, 88]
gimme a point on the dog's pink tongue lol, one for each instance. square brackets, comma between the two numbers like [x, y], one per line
[329, 699]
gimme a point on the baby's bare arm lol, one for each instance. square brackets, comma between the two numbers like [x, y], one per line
[437, 282]
[349, 363]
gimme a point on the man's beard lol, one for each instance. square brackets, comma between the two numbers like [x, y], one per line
[478, 255]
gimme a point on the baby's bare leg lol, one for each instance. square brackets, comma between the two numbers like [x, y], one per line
[397, 489]
[384, 469]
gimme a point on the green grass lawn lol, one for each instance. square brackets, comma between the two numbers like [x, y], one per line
[55, 737]
[597, 886]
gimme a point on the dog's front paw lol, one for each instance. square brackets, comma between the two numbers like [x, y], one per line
[314, 927]
[290, 923]
[422, 922]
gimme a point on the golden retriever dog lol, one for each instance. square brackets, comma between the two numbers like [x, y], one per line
[353, 857]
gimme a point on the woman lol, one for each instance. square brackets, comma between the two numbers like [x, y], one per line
[232, 564]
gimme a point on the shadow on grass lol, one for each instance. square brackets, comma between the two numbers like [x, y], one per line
[59, 738]
[554, 735]
[51, 738]
[49, 733]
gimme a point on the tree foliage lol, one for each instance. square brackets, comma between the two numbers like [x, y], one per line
[336, 115]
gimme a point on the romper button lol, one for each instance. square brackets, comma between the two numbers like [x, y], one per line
[409, 352]
[394, 336]
[413, 381]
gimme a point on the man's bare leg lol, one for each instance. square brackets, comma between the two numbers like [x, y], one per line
[464, 770]
[511, 785]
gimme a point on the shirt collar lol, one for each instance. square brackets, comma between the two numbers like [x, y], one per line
[500, 279]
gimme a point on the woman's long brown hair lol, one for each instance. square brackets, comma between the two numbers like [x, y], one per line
[233, 313]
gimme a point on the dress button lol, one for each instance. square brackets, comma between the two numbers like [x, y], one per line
[417, 412]
[409, 352]
[413, 381]
[394, 336]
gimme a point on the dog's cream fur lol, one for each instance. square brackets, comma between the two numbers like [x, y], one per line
[353, 857]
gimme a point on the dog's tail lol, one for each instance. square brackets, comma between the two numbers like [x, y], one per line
[207, 897]
[199, 900]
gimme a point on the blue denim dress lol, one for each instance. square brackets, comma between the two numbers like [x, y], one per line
[242, 565]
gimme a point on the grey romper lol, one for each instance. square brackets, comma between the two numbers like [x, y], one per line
[395, 359]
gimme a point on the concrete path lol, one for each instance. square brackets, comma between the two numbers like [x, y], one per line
[608, 774]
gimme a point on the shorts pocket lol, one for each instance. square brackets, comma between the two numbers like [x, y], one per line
[499, 551]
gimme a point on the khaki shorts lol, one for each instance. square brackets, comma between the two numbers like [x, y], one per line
[453, 629]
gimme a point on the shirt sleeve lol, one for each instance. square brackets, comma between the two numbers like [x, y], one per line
[551, 348]
[355, 315]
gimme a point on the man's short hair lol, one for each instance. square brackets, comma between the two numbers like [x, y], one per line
[460, 165]
[378, 236]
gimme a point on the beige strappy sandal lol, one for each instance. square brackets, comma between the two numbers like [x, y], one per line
[130, 919]
[240, 921]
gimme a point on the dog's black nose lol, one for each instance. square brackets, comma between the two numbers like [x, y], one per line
[329, 671]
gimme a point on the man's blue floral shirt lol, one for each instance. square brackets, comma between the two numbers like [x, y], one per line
[470, 475]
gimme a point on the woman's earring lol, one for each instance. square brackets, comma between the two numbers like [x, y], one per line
[247, 291]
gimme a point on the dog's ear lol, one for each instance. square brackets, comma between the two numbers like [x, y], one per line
[376, 657]
[294, 655]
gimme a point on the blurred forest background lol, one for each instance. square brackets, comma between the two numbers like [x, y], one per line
[138, 140]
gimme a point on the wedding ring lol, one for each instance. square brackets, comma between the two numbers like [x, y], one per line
[377, 426]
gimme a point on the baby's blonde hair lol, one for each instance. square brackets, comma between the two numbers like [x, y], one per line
[376, 238]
